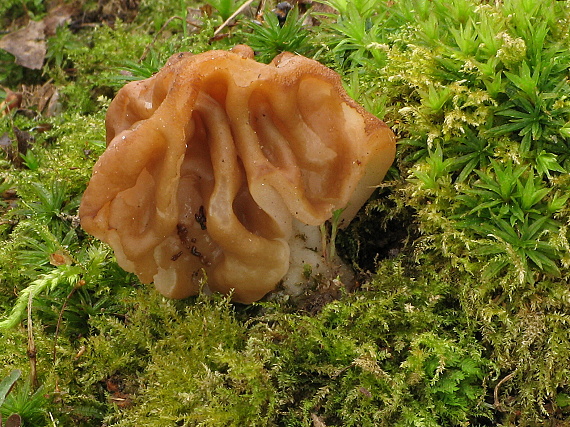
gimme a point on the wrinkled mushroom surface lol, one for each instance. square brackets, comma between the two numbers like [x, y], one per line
[211, 160]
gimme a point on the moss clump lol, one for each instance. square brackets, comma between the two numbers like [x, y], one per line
[401, 343]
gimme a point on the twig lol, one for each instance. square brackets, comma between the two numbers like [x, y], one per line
[59, 321]
[498, 404]
[324, 240]
[151, 44]
[260, 9]
[32, 352]
[236, 13]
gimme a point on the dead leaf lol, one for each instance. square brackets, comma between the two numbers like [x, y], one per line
[44, 94]
[9, 195]
[13, 101]
[44, 97]
[317, 421]
[194, 19]
[54, 106]
[111, 10]
[119, 394]
[9, 149]
[14, 420]
[60, 258]
[58, 16]
[42, 127]
[25, 140]
[5, 142]
[27, 44]
[365, 391]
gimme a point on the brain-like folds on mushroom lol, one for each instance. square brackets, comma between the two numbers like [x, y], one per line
[211, 161]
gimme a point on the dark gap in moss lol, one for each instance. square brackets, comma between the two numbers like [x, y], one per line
[374, 236]
[108, 12]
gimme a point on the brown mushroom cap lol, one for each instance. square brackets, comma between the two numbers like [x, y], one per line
[210, 160]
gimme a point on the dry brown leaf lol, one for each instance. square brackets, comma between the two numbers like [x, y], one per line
[27, 44]
[59, 257]
[14, 420]
[13, 101]
[25, 140]
[5, 142]
[45, 97]
[317, 421]
[58, 16]
[7, 147]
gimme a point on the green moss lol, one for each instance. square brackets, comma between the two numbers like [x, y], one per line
[358, 362]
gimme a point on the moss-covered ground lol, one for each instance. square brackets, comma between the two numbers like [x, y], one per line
[462, 311]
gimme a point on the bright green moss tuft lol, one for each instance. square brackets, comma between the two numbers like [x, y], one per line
[357, 362]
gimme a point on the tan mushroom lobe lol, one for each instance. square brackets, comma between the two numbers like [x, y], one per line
[211, 162]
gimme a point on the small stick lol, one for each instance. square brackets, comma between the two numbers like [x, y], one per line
[498, 404]
[151, 44]
[32, 352]
[260, 9]
[59, 319]
[324, 241]
[236, 13]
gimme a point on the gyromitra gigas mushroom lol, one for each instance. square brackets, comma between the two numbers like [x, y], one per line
[212, 160]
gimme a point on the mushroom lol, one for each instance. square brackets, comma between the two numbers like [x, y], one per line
[212, 161]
